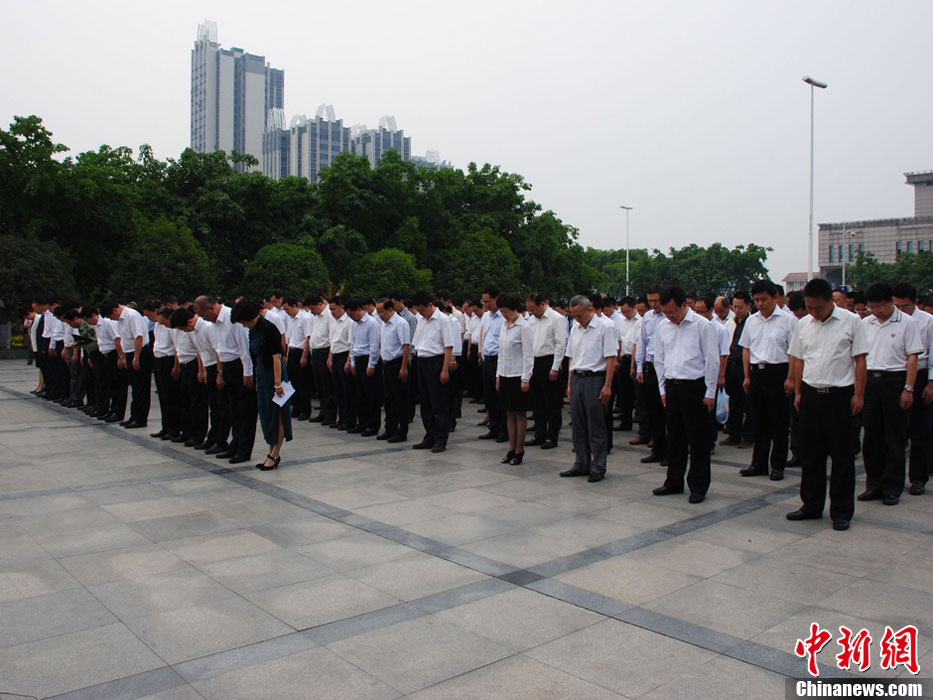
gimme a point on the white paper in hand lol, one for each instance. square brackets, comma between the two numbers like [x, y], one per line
[287, 390]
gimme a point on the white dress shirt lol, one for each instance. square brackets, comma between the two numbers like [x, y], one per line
[320, 330]
[925, 327]
[687, 350]
[768, 339]
[132, 325]
[629, 330]
[205, 341]
[589, 347]
[472, 329]
[828, 348]
[516, 350]
[298, 329]
[433, 335]
[231, 340]
[644, 350]
[185, 349]
[164, 345]
[722, 337]
[394, 336]
[106, 331]
[340, 334]
[278, 318]
[550, 334]
[458, 334]
[364, 340]
[890, 343]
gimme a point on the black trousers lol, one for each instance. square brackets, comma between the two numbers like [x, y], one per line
[626, 389]
[826, 417]
[61, 374]
[657, 420]
[455, 389]
[117, 383]
[101, 390]
[491, 395]
[215, 434]
[687, 426]
[768, 405]
[344, 392]
[324, 383]
[238, 408]
[739, 426]
[193, 396]
[413, 388]
[141, 381]
[368, 394]
[918, 431]
[300, 378]
[434, 397]
[77, 374]
[169, 391]
[474, 372]
[396, 399]
[885, 438]
[545, 400]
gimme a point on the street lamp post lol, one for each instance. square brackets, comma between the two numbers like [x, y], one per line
[627, 210]
[812, 82]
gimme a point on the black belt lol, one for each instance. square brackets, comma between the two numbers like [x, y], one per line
[685, 381]
[588, 373]
[828, 389]
[762, 366]
[884, 374]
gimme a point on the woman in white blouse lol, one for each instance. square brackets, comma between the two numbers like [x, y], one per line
[513, 376]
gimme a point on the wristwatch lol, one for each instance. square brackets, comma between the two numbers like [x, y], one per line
[908, 387]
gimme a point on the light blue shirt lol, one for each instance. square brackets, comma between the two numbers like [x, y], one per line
[412, 324]
[365, 340]
[644, 351]
[492, 327]
[395, 335]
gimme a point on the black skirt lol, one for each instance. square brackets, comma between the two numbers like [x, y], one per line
[511, 395]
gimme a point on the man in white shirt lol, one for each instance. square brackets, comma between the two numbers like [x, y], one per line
[894, 347]
[686, 357]
[646, 375]
[918, 428]
[134, 354]
[236, 393]
[344, 388]
[202, 402]
[319, 343]
[704, 307]
[166, 371]
[434, 340]
[765, 341]
[550, 332]
[108, 393]
[829, 347]
[394, 351]
[629, 325]
[192, 377]
[298, 360]
[363, 365]
[592, 351]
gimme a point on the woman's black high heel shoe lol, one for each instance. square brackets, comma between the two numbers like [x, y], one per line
[274, 465]
[517, 458]
[508, 457]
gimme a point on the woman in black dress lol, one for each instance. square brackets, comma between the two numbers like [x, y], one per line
[265, 347]
[513, 373]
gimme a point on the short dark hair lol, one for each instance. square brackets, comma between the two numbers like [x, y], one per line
[353, 304]
[422, 299]
[107, 307]
[244, 310]
[779, 289]
[491, 290]
[509, 300]
[904, 290]
[166, 312]
[180, 317]
[313, 300]
[656, 288]
[818, 288]
[597, 300]
[88, 311]
[338, 300]
[879, 291]
[744, 296]
[708, 299]
[795, 301]
[675, 294]
[386, 305]
[71, 314]
[859, 298]
[152, 305]
[291, 301]
[641, 300]
[693, 295]
[627, 300]
[537, 298]
[397, 296]
[443, 294]
[764, 287]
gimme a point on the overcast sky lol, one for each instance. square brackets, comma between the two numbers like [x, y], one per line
[694, 113]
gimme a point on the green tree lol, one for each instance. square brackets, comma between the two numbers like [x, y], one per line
[286, 267]
[478, 259]
[338, 247]
[31, 269]
[383, 271]
[181, 267]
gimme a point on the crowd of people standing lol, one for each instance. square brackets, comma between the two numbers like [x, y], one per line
[815, 375]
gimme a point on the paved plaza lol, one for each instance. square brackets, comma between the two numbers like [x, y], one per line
[134, 568]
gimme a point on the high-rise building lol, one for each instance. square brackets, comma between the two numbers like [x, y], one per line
[372, 143]
[232, 93]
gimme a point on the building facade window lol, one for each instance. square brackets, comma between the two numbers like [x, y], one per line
[830, 253]
[851, 251]
[910, 245]
[898, 247]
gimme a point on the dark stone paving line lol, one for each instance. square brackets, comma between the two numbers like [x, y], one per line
[136, 686]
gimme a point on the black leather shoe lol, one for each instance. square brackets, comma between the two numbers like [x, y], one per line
[548, 445]
[158, 434]
[840, 525]
[125, 423]
[397, 438]
[226, 454]
[213, 449]
[696, 497]
[239, 459]
[104, 416]
[274, 465]
[132, 425]
[178, 439]
[666, 491]
[776, 474]
[794, 462]
[204, 444]
[190, 442]
[170, 436]
[502, 438]
[596, 476]
[574, 472]
[354, 430]
[112, 418]
[316, 419]
[534, 442]
[384, 436]
[753, 472]
[304, 416]
[344, 427]
[890, 500]
[869, 495]
[369, 432]
[650, 459]
[487, 436]
[803, 514]
[916, 488]
[423, 445]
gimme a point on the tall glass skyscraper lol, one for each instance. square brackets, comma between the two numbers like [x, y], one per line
[232, 93]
